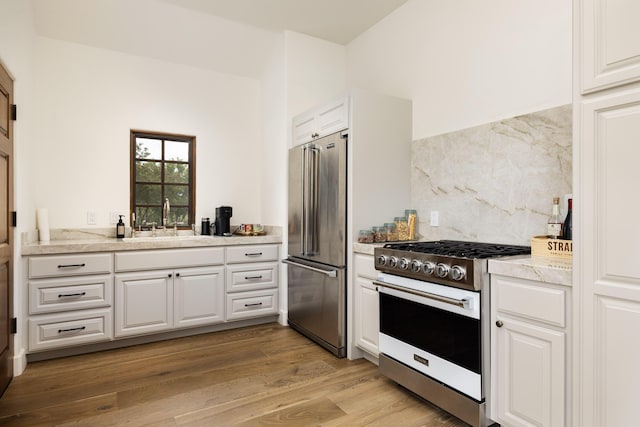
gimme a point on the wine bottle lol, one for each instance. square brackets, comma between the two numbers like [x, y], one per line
[554, 224]
[567, 228]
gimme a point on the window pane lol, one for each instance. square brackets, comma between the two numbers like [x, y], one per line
[148, 148]
[176, 173]
[148, 171]
[176, 150]
[149, 194]
[145, 216]
[180, 215]
[177, 194]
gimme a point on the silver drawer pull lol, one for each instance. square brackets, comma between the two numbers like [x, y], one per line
[254, 254]
[81, 328]
[79, 294]
[71, 265]
[253, 305]
[252, 277]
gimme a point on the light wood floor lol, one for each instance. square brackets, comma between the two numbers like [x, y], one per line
[262, 375]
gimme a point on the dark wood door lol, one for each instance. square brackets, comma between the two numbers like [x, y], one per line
[6, 236]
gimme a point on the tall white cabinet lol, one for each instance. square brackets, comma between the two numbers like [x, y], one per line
[607, 230]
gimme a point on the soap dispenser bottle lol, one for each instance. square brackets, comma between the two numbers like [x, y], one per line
[120, 228]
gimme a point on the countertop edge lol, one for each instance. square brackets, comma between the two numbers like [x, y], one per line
[546, 270]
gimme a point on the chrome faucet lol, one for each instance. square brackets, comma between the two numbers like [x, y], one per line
[166, 210]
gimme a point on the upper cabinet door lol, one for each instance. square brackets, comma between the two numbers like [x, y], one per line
[610, 48]
[321, 121]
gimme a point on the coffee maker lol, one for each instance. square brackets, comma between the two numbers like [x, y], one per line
[223, 215]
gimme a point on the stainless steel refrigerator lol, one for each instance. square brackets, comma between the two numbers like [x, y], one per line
[317, 225]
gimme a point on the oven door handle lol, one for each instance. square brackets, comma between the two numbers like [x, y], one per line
[464, 303]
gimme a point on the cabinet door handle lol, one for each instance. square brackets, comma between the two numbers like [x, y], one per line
[72, 265]
[253, 305]
[170, 275]
[252, 277]
[499, 323]
[79, 294]
[82, 328]
[177, 274]
[253, 254]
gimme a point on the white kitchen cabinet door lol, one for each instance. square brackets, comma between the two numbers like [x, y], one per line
[322, 121]
[144, 303]
[367, 313]
[530, 375]
[198, 296]
[609, 42]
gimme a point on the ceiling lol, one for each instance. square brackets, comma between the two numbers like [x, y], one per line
[228, 36]
[339, 21]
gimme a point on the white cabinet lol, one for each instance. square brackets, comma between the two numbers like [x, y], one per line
[528, 354]
[366, 305]
[70, 300]
[606, 233]
[252, 283]
[168, 299]
[608, 43]
[150, 300]
[322, 121]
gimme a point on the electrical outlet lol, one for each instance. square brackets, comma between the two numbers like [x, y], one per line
[435, 219]
[91, 218]
[113, 217]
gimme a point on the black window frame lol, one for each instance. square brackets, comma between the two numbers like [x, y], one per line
[164, 137]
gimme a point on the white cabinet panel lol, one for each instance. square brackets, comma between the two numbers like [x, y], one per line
[144, 303]
[322, 121]
[198, 296]
[246, 305]
[610, 42]
[526, 299]
[252, 253]
[74, 293]
[530, 375]
[247, 277]
[67, 329]
[69, 265]
[367, 315]
[172, 258]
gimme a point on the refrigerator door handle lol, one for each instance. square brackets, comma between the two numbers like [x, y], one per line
[305, 191]
[315, 194]
[330, 273]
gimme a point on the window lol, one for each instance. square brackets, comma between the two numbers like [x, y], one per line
[162, 168]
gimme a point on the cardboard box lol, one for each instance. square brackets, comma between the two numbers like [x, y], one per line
[542, 246]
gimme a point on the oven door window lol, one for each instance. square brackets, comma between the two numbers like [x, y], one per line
[451, 336]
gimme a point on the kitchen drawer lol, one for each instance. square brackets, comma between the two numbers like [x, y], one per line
[364, 266]
[245, 305]
[67, 329]
[77, 293]
[69, 265]
[253, 253]
[243, 277]
[166, 259]
[528, 299]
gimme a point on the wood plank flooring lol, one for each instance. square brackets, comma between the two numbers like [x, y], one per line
[255, 376]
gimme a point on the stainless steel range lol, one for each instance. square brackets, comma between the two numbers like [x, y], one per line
[434, 321]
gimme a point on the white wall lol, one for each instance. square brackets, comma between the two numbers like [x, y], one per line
[90, 98]
[466, 62]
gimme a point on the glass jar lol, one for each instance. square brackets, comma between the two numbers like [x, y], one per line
[402, 227]
[412, 221]
[379, 234]
[365, 236]
[392, 233]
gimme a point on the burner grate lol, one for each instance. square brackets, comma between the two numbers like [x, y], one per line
[461, 249]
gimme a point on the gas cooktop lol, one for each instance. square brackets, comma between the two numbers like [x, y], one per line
[461, 249]
[448, 262]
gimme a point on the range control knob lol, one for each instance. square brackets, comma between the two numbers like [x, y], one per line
[404, 264]
[393, 262]
[381, 260]
[415, 266]
[442, 270]
[428, 267]
[458, 272]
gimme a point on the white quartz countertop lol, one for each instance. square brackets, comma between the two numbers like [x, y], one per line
[546, 270]
[111, 244]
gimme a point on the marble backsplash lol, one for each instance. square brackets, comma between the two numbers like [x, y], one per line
[494, 182]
